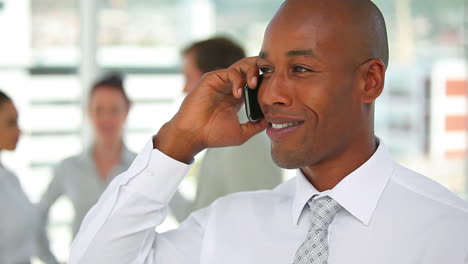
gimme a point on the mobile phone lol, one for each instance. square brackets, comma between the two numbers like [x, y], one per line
[254, 112]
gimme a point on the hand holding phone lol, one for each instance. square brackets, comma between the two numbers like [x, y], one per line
[252, 107]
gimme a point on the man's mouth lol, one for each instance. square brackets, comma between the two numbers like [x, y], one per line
[285, 125]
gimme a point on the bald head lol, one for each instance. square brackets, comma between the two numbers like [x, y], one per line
[356, 27]
[323, 64]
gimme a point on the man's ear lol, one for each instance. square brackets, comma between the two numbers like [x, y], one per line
[372, 80]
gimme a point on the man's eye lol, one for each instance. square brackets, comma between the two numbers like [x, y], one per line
[300, 69]
[264, 70]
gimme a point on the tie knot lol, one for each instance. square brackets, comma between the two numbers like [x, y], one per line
[323, 210]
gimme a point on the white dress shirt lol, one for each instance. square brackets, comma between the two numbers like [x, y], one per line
[228, 170]
[390, 215]
[18, 221]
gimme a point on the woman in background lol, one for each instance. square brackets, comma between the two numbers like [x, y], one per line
[82, 178]
[18, 221]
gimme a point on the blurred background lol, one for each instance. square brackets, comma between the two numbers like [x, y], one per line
[50, 51]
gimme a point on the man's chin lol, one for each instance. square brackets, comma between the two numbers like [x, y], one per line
[290, 160]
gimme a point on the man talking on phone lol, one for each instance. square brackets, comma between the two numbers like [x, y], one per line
[323, 65]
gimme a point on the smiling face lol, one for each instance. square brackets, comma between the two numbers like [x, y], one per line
[9, 130]
[312, 89]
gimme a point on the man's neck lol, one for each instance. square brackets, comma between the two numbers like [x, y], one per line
[325, 175]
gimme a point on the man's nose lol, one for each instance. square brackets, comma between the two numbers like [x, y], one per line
[275, 90]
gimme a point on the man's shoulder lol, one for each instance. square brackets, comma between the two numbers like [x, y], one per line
[428, 191]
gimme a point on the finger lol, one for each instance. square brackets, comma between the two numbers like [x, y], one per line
[248, 68]
[220, 79]
[235, 77]
[250, 129]
[237, 81]
[253, 82]
[251, 71]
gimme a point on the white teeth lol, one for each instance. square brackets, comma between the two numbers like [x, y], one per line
[284, 125]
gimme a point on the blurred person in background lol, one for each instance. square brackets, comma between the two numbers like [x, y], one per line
[82, 178]
[220, 173]
[19, 220]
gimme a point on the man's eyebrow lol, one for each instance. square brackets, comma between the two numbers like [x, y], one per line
[291, 53]
[305, 52]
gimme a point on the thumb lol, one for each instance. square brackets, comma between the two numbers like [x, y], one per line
[250, 129]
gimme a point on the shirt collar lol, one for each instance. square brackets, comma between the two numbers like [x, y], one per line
[358, 193]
